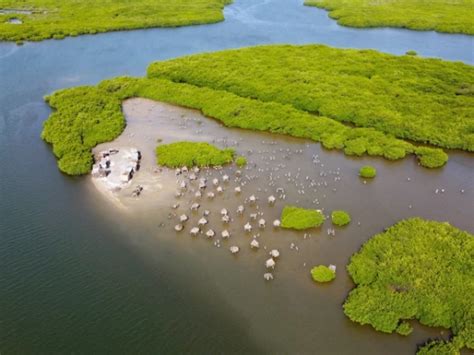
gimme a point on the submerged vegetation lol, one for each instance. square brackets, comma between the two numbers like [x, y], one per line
[301, 91]
[416, 269]
[293, 217]
[340, 218]
[453, 16]
[368, 172]
[322, 273]
[58, 19]
[179, 154]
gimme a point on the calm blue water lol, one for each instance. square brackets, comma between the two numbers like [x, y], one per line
[68, 281]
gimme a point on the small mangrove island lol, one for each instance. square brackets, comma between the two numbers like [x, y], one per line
[298, 218]
[323, 273]
[439, 15]
[179, 154]
[416, 270]
[340, 218]
[367, 172]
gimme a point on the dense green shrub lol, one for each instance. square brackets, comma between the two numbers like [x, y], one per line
[367, 172]
[416, 269]
[322, 273]
[179, 154]
[424, 100]
[241, 161]
[411, 52]
[404, 328]
[58, 19]
[440, 15]
[431, 158]
[438, 347]
[293, 217]
[340, 218]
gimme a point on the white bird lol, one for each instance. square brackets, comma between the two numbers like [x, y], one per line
[225, 178]
[332, 268]
[261, 223]
[234, 249]
[237, 190]
[276, 223]
[270, 263]
[210, 233]
[178, 227]
[215, 181]
[268, 276]
[240, 209]
[195, 206]
[271, 199]
[274, 253]
[210, 195]
[247, 227]
[194, 231]
[224, 212]
[254, 244]
[225, 234]
[183, 218]
[202, 222]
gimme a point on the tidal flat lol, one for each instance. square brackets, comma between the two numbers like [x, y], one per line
[310, 176]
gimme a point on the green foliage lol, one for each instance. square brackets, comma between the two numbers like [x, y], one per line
[427, 90]
[293, 217]
[58, 19]
[340, 218]
[241, 161]
[84, 117]
[404, 328]
[424, 100]
[431, 158]
[438, 347]
[367, 172]
[439, 15]
[179, 154]
[411, 52]
[416, 269]
[322, 273]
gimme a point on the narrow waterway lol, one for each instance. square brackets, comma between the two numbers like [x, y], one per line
[78, 276]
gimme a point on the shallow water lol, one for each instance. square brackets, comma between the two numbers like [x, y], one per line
[76, 276]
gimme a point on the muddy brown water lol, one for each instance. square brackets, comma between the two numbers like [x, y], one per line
[290, 313]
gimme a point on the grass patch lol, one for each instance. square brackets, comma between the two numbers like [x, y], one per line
[283, 101]
[58, 19]
[416, 269]
[322, 273]
[293, 217]
[179, 154]
[340, 218]
[439, 15]
[368, 172]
